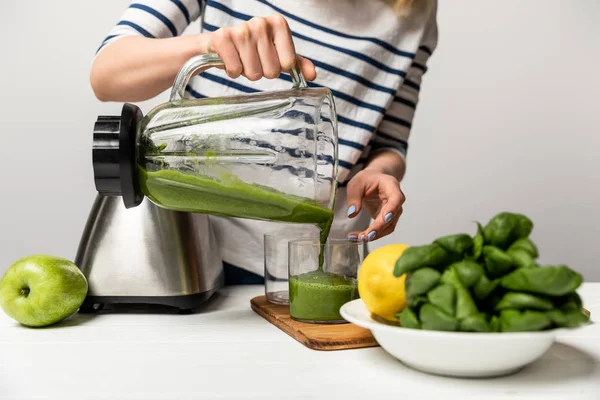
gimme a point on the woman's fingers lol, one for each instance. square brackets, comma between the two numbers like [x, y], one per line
[282, 38]
[354, 196]
[245, 42]
[388, 230]
[221, 42]
[308, 68]
[379, 228]
[390, 199]
[261, 47]
[267, 53]
[376, 230]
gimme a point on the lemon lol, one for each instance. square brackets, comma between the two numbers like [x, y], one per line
[382, 292]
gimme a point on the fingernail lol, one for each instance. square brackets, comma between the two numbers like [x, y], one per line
[388, 217]
[351, 210]
[372, 235]
[352, 238]
[363, 238]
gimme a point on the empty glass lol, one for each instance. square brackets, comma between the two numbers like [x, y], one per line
[276, 259]
[322, 278]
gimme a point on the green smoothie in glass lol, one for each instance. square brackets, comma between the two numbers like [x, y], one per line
[317, 296]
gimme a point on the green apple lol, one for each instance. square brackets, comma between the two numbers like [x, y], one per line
[41, 290]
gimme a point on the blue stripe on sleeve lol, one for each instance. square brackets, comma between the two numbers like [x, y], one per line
[345, 164]
[108, 38]
[387, 136]
[209, 27]
[194, 93]
[406, 102]
[356, 124]
[137, 28]
[349, 143]
[426, 49]
[158, 15]
[227, 10]
[183, 10]
[232, 84]
[105, 41]
[412, 84]
[419, 66]
[379, 42]
[397, 120]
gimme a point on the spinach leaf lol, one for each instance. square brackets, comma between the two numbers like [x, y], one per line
[478, 242]
[416, 301]
[465, 306]
[474, 323]
[505, 228]
[569, 302]
[575, 318]
[523, 321]
[457, 244]
[521, 301]
[495, 324]
[432, 318]
[567, 319]
[526, 245]
[552, 281]
[484, 287]
[521, 258]
[408, 319]
[421, 281]
[469, 272]
[557, 317]
[497, 262]
[443, 297]
[431, 255]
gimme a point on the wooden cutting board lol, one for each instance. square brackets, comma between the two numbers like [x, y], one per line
[314, 336]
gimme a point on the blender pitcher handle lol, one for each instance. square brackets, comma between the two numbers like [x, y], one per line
[202, 62]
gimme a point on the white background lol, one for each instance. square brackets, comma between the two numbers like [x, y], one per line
[508, 120]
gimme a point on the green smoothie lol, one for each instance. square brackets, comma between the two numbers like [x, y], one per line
[317, 296]
[230, 197]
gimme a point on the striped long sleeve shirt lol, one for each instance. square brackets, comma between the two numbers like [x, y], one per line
[372, 61]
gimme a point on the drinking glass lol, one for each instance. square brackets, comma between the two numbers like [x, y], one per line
[322, 278]
[276, 259]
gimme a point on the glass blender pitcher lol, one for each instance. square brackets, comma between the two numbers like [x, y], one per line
[269, 156]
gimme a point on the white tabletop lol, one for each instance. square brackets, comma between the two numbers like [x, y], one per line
[229, 352]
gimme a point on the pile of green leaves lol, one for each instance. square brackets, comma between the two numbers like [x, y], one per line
[488, 283]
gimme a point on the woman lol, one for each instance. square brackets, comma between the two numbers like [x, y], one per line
[370, 53]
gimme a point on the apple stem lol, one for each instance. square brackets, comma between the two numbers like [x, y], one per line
[25, 292]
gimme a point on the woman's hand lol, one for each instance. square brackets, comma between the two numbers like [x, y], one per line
[261, 47]
[377, 190]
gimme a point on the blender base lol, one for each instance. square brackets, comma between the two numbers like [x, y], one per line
[185, 304]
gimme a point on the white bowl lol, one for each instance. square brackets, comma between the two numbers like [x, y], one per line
[459, 354]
